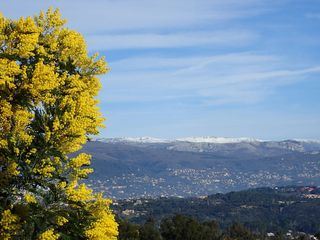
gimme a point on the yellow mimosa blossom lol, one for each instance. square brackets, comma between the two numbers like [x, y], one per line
[49, 235]
[79, 193]
[9, 225]
[60, 221]
[30, 198]
[12, 169]
[105, 227]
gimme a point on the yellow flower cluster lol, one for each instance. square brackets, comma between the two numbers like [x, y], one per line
[45, 168]
[30, 198]
[43, 80]
[60, 221]
[49, 235]
[24, 39]
[77, 164]
[8, 70]
[79, 193]
[12, 169]
[9, 225]
[105, 226]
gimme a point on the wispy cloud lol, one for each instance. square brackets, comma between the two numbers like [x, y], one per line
[171, 40]
[222, 79]
[122, 15]
[189, 56]
[185, 64]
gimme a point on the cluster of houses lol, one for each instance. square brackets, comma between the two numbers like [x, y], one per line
[290, 235]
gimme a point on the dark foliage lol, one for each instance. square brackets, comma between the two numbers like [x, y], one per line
[260, 210]
[181, 227]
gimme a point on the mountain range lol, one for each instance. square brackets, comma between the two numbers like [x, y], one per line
[197, 166]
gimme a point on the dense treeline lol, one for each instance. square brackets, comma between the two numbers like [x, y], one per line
[260, 210]
[181, 227]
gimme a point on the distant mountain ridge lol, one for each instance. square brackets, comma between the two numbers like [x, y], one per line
[204, 139]
[151, 167]
[209, 143]
[201, 139]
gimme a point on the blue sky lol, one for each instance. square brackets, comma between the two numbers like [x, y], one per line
[201, 67]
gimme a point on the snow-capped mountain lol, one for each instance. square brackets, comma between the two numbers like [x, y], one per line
[209, 139]
[205, 139]
[219, 144]
[307, 140]
[132, 140]
[201, 139]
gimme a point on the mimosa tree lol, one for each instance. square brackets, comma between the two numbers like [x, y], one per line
[48, 85]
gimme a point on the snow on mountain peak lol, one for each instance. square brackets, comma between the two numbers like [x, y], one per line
[209, 139]
[133, 140]
[217, 140]
[205, 139]
[307, 140]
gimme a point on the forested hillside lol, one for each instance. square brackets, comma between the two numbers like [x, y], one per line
[260, 210]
